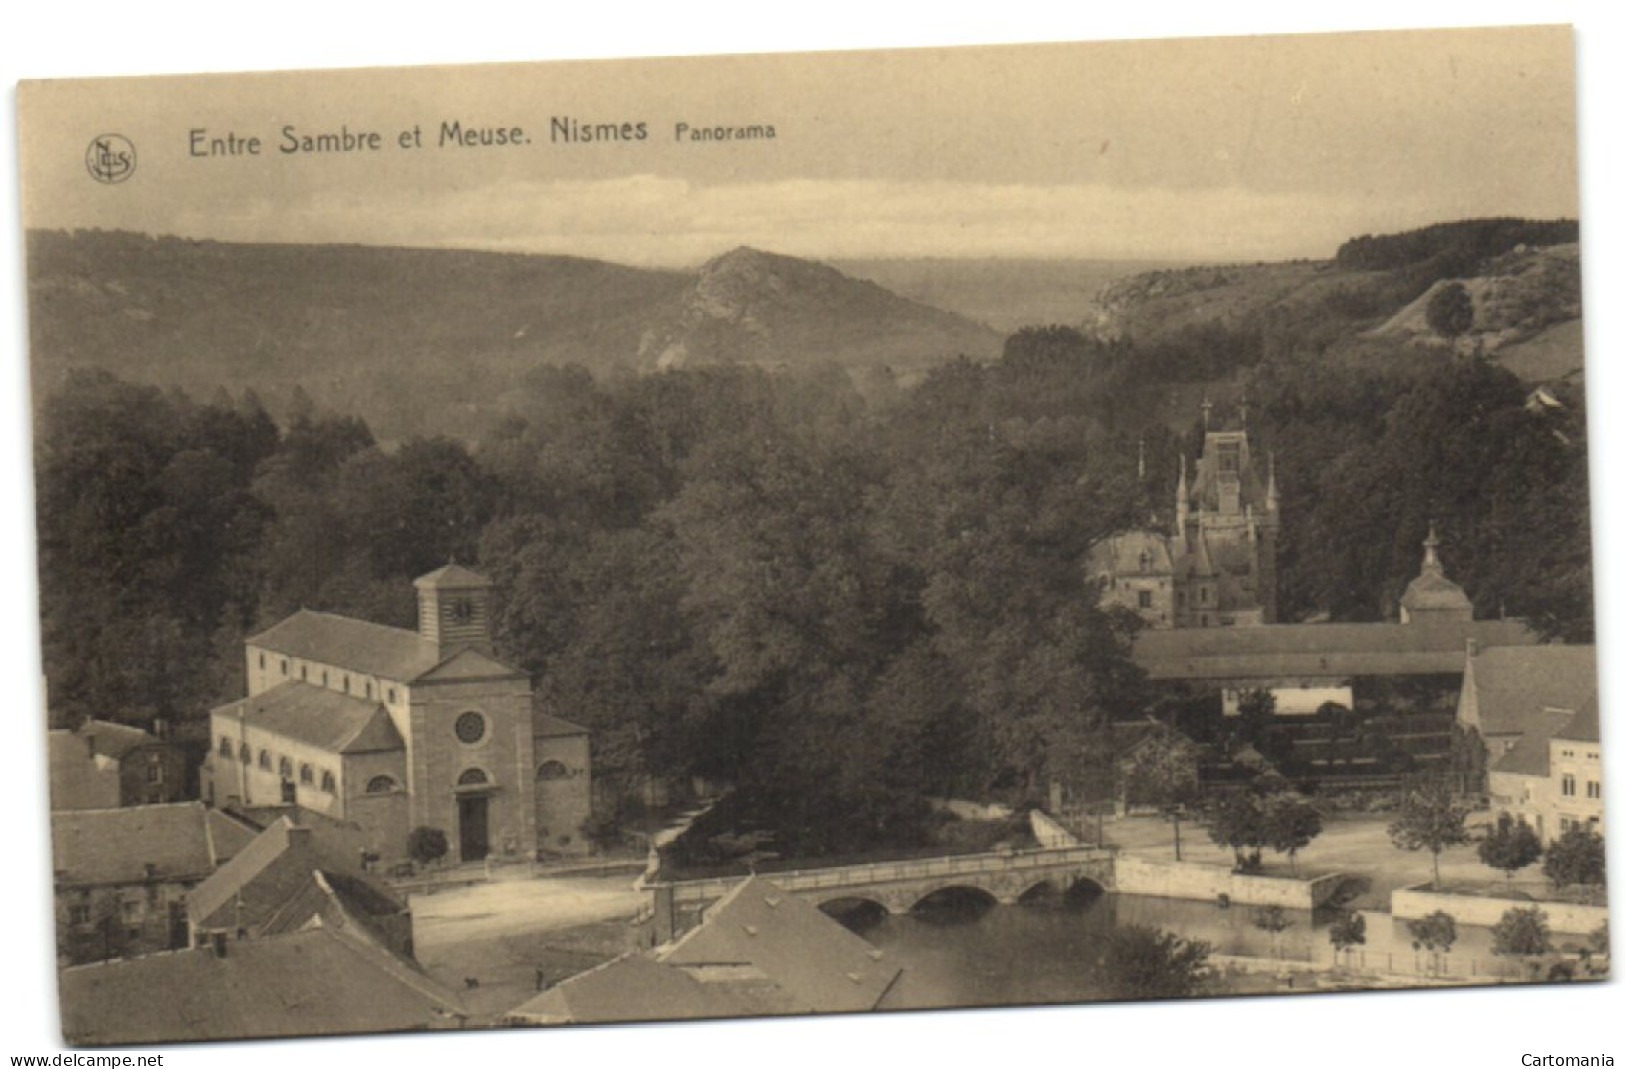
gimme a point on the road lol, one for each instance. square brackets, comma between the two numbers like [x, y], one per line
[498, 933]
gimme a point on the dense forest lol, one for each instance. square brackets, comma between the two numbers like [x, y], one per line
[837, 600]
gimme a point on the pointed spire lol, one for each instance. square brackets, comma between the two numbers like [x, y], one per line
[1244, 409]
[1272, 497]
[1207, 413]
[1430, 560]
[1142, 458]
[1182, 498]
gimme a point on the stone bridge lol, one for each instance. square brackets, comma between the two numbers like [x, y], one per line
[899, 886]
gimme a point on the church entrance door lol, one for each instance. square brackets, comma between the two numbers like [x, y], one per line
[473, 827]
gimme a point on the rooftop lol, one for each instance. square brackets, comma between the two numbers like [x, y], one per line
[338, 723]
[84, 763]
[629, 988]
[1583, 725]
[321, 981]
[1531, 754]
[1309, 651]
[816, 965]
[452, 577]
[368, 648]
[1512, 684]
[182, 841]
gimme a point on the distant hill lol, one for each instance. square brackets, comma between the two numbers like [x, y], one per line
[1004, 293]
[754, 307]
[427, 341]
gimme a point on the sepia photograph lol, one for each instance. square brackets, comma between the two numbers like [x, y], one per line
[781, 533]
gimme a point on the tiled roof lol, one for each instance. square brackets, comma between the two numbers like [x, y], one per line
[335, 722]
[80, 780]
[1431, 590]
[182, 841]
[451, 577]
[629, 988]
[819, 966]
[1583, 725]
[1531, 754]
[468, 663]
[1288, 651]
[273, 886]
[367, 648]
[1512, 684]
[321, 981]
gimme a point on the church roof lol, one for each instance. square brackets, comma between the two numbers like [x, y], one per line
[322, 981]
[1431, 590]
[1275, 651]
[468, 663]
[362, 646]
[1514, 684]
[546, 726]
[451, 577]
[819, 966]
[335, 722]
[180, 841]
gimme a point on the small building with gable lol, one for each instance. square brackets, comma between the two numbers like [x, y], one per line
[104, 765]
[391, 729]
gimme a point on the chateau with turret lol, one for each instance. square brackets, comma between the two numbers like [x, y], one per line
[1217, 567]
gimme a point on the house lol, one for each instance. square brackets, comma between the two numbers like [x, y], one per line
[1551, 777]
[389, 729]
[1507, 691]
[629, 988]
[320, 981]
[123, 875]
[781, 954]
[284, 881]
[104, 765]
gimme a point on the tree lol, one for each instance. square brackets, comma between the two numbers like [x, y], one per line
[1347, 932]
[1576, 859]
[1143, 963]
[1236, 819]
[1255, 712]
[1435, 933]
[1431, 819]
[1274, 920]
[1522, 933]
[1510, 846]
[426, 845]
[1289, 825]
[1450, 310]
[1162, 772]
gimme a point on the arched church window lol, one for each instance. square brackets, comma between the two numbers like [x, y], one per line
[552, 770]
[328, 784]
[245, 755]
[470, 727]
[265, 760]
[369, 688]
[285, 767]
[262, 661]
[472, 778]
[284, 666]
[306, 774]
[225, 746]
[380, 785]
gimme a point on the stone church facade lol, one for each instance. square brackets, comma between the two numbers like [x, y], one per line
[389, 729]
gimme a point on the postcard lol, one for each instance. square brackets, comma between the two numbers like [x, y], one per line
[529, 545]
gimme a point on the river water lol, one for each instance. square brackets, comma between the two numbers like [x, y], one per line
[967, 953]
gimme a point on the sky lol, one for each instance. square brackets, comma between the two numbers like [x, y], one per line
[1220, 148]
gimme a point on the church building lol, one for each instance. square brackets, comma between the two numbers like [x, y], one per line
[389, 729]
[1217, 567]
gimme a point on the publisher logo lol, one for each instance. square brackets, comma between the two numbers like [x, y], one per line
[110, 158]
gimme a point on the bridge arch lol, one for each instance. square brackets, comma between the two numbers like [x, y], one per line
[958, 893]
[856, 912]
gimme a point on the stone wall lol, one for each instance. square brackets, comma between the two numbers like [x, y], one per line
[1174, 879]
[1566, 918]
